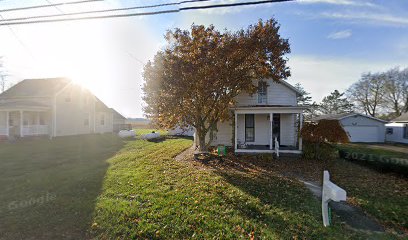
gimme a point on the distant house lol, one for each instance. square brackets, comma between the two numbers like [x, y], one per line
[52, 107]
[359, 127]
[264, 121]
[397, 129]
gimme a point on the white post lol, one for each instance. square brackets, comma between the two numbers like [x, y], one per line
[300, 129]
[236, 131]
[7, 124]
[330, 192]
[21, 123]
[271, 138]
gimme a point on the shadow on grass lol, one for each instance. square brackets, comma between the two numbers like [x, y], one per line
[278, 202]
[50, 187]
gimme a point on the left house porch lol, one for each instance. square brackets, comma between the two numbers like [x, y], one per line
[26, 120]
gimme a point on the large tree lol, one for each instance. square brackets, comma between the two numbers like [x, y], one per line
[368, 93]
[396, 91]
[195, 79]
[335, 103]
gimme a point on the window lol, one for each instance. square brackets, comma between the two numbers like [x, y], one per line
[262, 92]
[406, 131]
[11, 122]
[390, 130]
[86, 122]
[102, 119]
[249, 127]
[42, 121]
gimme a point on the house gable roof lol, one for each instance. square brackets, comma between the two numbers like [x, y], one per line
[47, 87]
[342, 116]
[291, 87]
[402, 118]
[117, 114]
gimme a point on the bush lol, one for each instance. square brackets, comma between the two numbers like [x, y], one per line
[319, 136]
[324, 151]
[378, 162]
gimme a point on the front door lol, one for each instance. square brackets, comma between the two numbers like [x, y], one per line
[276, 128]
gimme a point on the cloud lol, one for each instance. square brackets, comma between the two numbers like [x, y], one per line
[341, 2]
[372, 18]
[322, 75]
[340, 34]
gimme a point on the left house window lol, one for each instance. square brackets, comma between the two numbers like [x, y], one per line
[249, 127]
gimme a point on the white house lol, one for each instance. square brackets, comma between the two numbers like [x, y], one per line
[359, 127]
[259, 119]
[52, 107]
[397, 129]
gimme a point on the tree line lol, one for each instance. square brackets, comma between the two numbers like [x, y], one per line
[382, 95]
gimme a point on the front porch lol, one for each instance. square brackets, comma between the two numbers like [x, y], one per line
[24, 123]
[268, 129]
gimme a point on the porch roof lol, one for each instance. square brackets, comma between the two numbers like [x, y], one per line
[270, 109]
[23, 105]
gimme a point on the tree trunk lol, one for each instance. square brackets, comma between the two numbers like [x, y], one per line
[202, 147]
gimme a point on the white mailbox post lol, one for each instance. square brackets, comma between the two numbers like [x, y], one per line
[330, 192]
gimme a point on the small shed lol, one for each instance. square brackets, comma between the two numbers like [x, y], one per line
[359, 127]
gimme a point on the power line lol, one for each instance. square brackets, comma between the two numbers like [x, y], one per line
[104, 11]
[48, 5]
[5, 23]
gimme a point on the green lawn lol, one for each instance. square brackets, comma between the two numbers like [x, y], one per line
[365, 148]
[102, 187]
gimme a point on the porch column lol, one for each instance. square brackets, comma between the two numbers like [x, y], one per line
[21, 123]
[300, 129]
[271, 123]
[7, 124]
[236, 131]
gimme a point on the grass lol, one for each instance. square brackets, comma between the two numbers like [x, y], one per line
[144, 131]
[102, 187]
[365, 148]
[149, 195]
[48, 188]
[383, 195]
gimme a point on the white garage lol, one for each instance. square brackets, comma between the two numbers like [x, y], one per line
[359, 127]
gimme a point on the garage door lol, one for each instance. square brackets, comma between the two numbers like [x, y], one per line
[362, 133]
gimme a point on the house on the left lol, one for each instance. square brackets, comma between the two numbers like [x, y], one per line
[52, 107]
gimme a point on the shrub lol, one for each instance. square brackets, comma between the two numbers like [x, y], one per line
[318, 136]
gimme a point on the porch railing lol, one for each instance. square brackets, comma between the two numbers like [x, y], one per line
[32, 130]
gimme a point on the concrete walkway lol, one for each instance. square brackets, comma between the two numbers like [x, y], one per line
[351, 215]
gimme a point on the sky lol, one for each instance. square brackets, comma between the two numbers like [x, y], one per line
[332, 42]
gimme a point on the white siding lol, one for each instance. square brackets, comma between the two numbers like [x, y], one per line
[224, 134]
[277, 94]
[367, 126]
[287, 131]
[397, 133]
